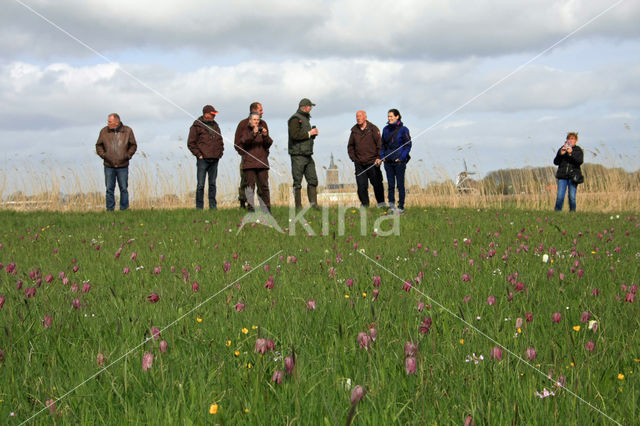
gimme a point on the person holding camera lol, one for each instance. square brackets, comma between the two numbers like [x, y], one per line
[253, 144]
[568, 159]
[364, 150]
[301, 138]
[242, 189]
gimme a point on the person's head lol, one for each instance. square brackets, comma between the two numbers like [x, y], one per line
[209, 113]
[361, 117]
[572, 138]
[254, 119]
[256, 107]
[305, 105]
[393, 115]
[113, 121]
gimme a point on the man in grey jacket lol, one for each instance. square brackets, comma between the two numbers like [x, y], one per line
[116, 145]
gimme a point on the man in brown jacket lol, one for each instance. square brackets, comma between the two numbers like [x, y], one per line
[205, 142]
[116, 145]
[364, 150]
[252, 143]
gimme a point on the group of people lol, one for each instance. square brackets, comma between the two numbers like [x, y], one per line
[368, 148]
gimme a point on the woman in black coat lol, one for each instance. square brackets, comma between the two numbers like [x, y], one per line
[568, 159]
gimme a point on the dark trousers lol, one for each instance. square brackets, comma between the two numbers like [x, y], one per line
[242, 189]
[303, 166]
[121, 174]
[261, 177]
[364, 175]
[206, 166]
[395, 177]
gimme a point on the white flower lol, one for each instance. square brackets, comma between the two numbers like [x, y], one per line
[592, 323]
[545, 258]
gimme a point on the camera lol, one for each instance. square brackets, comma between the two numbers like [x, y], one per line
[313, 136]
[260, 129]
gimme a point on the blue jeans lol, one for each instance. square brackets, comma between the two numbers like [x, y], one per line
[395, 176]
[206, 166]
[562, 189]
[121, 174]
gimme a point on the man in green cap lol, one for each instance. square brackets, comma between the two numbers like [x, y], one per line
[301, 138]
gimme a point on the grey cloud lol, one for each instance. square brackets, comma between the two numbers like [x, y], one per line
[358, 28]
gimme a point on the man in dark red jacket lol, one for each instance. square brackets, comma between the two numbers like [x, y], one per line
[242, 189]
[205, 142]
[116, 145]
[364, 147]
[252, 143]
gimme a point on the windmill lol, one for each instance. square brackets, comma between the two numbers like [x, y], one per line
[464, 184]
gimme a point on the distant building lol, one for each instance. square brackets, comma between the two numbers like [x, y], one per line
[333, 179]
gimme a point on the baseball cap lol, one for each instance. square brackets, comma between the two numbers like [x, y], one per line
[306, 102]
[208, 109]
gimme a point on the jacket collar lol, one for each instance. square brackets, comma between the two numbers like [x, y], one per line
[117, 129]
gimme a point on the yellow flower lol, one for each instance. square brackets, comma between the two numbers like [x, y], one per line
[520, 330]
[576, 327]
[254, 327]
[228, 343]
[245, 331]
[237, 353]
[199, 319]
[572, 364]
[462, 341]
[213, 409]
[142, 224]
[636, 360]
[593, 252]
[620, 376]
[346, 296]
[246, 410]
[552, 260]
[249, 365]
[364, 294]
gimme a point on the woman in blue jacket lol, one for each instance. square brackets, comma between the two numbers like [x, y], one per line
[396, 145]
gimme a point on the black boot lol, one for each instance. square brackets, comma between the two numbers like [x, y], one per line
[297, 196]
[312, 193]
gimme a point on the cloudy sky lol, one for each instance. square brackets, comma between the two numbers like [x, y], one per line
[493, 83]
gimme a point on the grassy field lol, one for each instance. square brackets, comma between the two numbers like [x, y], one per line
[501, 305]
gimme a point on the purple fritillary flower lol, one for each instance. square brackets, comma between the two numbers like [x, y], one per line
[410, 365]
[147, 361]
[357, 394]
[496, 353]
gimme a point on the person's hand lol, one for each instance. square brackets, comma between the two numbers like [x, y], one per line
[377, 162]
[264, 132]
[200, 157]
[569, 150]
[397, 160]
[313, 132]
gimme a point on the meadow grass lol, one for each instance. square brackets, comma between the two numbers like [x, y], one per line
[211, 358]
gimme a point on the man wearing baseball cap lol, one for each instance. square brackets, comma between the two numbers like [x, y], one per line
[205, 143]
[301, 138]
